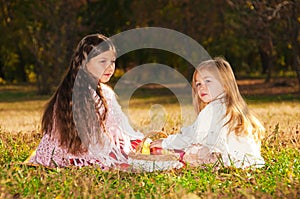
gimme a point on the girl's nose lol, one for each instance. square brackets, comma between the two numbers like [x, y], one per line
[111, 65]
[202, 86]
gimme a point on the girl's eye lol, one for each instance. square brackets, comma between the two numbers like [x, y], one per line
[207, 80]
[198, 84]
[108, 62]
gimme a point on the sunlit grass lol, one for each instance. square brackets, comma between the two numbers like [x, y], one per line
[19, 134]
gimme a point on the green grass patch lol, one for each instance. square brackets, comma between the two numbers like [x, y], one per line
[279, 178]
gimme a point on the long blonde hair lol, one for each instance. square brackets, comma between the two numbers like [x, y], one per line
[241, 121]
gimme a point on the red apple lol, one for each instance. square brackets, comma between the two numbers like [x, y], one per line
[156, 151]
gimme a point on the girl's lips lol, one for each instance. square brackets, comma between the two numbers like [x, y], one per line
[203, 94]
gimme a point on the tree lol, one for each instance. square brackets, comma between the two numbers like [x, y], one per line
[204, 21]
[52, 28]
[39, 36]
[14, 52]
[258, 19]
[292, 16]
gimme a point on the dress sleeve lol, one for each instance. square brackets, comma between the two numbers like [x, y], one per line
[180, 140]
[193, 134]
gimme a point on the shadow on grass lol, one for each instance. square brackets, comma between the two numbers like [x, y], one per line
[20, 93]
[254, 91]
[291, 97]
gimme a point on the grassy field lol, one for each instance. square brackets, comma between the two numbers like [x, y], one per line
[277, 106]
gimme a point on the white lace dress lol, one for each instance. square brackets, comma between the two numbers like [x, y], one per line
[209, 132]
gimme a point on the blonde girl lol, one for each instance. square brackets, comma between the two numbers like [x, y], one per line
[224, 125]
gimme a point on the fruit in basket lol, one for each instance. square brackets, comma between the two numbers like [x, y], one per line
[146, 146]
[156, 151]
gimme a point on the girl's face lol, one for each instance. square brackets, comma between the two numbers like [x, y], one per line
[208, 87]
[102, 66]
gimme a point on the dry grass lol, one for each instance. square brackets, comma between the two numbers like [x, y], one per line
[21, 116]
[22, 111]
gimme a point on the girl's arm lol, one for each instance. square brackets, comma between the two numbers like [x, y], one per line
[180, 140]
[176, 141]
[194, 134]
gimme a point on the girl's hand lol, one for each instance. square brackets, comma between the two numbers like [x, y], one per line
[156, 143]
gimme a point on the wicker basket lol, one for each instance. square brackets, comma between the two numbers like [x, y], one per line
[166, 156]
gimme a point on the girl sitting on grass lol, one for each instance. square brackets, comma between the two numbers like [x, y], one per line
[83, 123]
[224, 126]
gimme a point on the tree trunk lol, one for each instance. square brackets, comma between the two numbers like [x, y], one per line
[267, 63]
[294, 40]
[21, 66]
[264, 61]
[296, 63]
[42, 80]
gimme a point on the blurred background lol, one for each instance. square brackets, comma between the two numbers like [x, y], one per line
[259, 38]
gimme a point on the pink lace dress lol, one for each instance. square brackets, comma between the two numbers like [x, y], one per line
[118, 141]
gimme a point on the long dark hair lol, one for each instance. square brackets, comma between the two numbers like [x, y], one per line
[57, 120]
